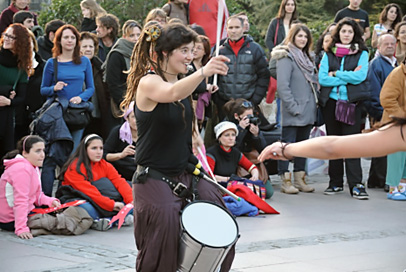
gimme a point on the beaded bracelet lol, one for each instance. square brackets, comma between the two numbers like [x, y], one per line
[283, 146]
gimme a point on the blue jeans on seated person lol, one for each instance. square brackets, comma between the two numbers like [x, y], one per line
[93, 212]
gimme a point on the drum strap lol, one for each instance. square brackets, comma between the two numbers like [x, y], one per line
[178, 188]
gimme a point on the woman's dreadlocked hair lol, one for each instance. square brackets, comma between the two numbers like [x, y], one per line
[148, 53]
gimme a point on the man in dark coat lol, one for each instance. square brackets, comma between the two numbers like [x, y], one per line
[248, 75]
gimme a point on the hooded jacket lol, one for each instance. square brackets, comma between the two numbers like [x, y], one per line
[298, 100]
[20, 192]
[45, 47]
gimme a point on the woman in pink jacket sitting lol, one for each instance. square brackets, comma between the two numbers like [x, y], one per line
[20, 186]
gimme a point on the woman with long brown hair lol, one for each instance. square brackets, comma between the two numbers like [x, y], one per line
[163, 108]
[15, 66]
[390, 16]
[73, 72]
[90, 11]
[298, 89]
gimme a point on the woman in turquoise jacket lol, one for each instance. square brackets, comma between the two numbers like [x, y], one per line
[342, 75]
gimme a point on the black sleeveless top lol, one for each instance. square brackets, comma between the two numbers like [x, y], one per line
[165, 137]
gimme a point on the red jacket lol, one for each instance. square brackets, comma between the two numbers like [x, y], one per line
[101, 169]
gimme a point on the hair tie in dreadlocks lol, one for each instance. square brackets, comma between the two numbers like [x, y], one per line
[153, 32]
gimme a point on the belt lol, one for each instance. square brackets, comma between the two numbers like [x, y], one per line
[178, 188]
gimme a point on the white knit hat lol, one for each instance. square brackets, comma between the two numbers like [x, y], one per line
[223, 126]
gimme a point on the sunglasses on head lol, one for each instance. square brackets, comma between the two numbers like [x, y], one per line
[247, 104]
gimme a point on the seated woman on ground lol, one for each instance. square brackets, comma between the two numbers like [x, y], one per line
[224, 158]
[20, 186]
[86, 175]
[250, 139]
[119, 148]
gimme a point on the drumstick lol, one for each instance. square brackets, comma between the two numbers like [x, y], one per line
[206, 162]
[214, 181]
[220, 13]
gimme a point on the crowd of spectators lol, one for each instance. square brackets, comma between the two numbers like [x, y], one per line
[61, 68]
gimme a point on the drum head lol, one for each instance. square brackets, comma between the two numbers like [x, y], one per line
[209, 224]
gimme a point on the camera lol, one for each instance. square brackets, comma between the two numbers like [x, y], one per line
[253, 120]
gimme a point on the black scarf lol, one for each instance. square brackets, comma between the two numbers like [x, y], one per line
[7, 58]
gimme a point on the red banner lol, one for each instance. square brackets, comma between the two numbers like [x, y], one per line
[204, 13]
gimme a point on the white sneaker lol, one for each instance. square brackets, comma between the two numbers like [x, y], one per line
[129, 220]
[101, 224]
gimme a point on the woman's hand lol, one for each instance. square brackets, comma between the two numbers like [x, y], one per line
[59, 86]
[273, 151]
[118, 206]
[244, 122]
[76, 100]
[25, 235]
[216, 65]
[212, 88]
[129, 150]
[4, 101]
[55, 203]
[332, 73]
[254, 129]
[12, 94]
[254, 174]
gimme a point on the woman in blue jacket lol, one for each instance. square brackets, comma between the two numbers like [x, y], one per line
[342, 75]
[74, 72]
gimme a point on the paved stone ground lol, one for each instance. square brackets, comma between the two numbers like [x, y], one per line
[314, 232]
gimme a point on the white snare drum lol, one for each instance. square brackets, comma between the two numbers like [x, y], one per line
[207, 233]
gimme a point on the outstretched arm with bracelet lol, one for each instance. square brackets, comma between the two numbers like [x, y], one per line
[378, 143]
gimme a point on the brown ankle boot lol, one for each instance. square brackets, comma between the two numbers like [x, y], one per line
[287, 186]
[300, 182]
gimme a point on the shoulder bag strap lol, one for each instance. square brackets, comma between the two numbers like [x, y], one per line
[276, 33]
[55, 61]
[17, 79]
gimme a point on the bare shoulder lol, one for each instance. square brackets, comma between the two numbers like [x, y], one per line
[148, 86]
[149, 81]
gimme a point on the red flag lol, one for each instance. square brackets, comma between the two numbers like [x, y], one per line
[204, 13]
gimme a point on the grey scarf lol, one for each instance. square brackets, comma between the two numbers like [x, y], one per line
[305, 64]
[123, 47]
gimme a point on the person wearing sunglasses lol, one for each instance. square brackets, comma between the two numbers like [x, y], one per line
[250, 140]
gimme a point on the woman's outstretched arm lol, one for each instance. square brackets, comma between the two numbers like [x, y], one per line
[374, 144]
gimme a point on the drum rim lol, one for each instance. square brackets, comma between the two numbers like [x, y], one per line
[183, 230]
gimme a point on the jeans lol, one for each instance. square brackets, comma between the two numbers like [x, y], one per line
[48, 175]
[49, 166]
[278, 112]
[90, 210]
[94, 213]
[76, 137]
[293, 134]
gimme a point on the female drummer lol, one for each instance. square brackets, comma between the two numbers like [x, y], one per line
[164, 120]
